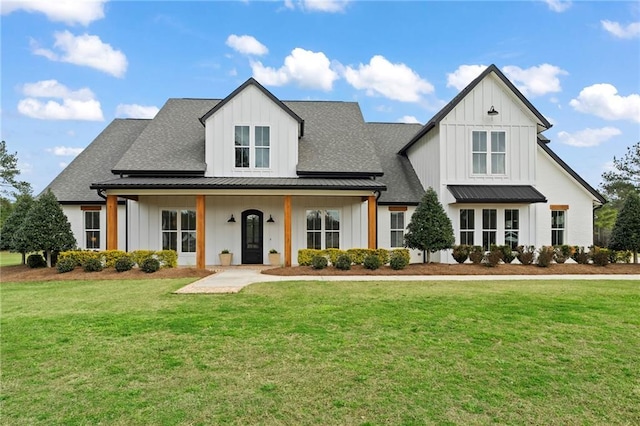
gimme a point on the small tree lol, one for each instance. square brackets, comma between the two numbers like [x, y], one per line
[626, 231]
[430, 229]
[46, 227]
[10, 236]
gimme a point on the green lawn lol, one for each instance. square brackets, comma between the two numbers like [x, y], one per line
[8, 259]
[126, 353]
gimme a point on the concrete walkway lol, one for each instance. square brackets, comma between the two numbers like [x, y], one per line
[233, 279]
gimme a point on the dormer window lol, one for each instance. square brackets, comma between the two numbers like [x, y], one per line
[489, 158]
[260, 146]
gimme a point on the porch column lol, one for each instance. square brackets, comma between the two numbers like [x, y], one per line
[200, 238]
[372, 204]
[112, 222]
[287, 230]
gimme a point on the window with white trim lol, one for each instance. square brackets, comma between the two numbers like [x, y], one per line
[489, 228]
[242, 146]
[323, 229]
[558, 226]
[92, 229]
[185, 229]
[511, 227]
[467, 226]
[260, 146]
[488, 158]
[397, 229]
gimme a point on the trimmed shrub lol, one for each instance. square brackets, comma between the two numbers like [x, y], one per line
[404, 252]
[580, 255]
[305, 256]
[545, 256]
[525, 254]
[93, 265]
[562, 253]
[599, 256]
[139, 256]
[493, 258]
[167, 258]
[624, 256]
[507, 253]
[124, 263]
[319, 262]
[36, 261]
[80, 256]
[111, 256]
[461, 253]
[398, 261]
[150, 265]
[343, 262]
[476, 254]
[66, 265]
[383, 254]
[372, 262]
[357, 255]
[333, 254]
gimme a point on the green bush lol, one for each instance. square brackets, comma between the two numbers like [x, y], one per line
[525, 254]
[93, 265]
[599, 256]
[343, 262]
[357, 255]
[319, 262]
[124, 263]
[624, 256]
[111, 256]
[404, 252]
[305, 256]
[562, 253]
[580, 256]
[66, 265]
[150, 265]
[372, 262]
[333, 254]
[398, 261]
[383, 254]
[476, 254]
[545, 256]
[139, 256]
[507, 253]
[36, 261]
[167, 258]
[460, 253]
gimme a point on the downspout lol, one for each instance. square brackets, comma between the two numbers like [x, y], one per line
[126, 225]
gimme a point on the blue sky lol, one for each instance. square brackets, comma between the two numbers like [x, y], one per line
[70, 67]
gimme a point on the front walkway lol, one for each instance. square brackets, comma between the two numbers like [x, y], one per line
[234, 278]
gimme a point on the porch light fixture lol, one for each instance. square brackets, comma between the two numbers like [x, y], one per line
[492, 111]
[270, 220]
[232, 219]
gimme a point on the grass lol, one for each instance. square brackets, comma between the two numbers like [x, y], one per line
[9, 259]
[126, 353]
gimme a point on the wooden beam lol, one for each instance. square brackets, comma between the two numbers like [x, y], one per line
[287, 230]
[200, 234]
[112, 222]
[373, 207]
[559, 207]
[397, 208]
[90, 208]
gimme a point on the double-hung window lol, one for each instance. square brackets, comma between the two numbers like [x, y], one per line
[397, 229]
[558, 223]
[511, 227]
[489, 228]
[467, 226]
[323, 229]
[488, 158]
[252, 153]
[92, 229]
[184, 229]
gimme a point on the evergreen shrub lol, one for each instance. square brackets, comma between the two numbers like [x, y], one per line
[66, 265]
[476, 255]
[93, 265]
[319, 262]
[124, 263]
[343, 262]
[150, 265]
[36, 261]
[545, 256]
[398, 261]
[372, 262]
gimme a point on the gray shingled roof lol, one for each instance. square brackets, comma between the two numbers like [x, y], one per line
[335, 140]
[496, 194]
[95, 162]
[403, 185]
[172, 143]
[239, 183]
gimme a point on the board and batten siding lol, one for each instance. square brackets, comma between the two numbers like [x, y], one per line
[251, 107]
[75, 216]
[424, 156]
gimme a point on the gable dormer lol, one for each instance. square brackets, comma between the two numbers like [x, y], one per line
[251, 133]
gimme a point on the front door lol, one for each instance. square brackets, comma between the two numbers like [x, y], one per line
[252, 237]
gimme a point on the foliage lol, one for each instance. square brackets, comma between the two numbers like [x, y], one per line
[404, 252]
[140, 256]
[460, 253]
[476, 254]
[93, 265]
[508, 255]
[124, 263]
[357, 255]
[273, 251]
[80, 257]
[525, 254]
[332, 254]
[305, 256]
[65, 265]
[372, 262]
[225, 251]
[36, 261]
[150, 265]
[623, 256]
[545, 256]
[599, 256]
[580, 256]
[111, 256]
[430, 229]
[562, 253]
[10, 236]
[626, 231]
[9, 172]
[618, 183]
[494, 256]
[167, 258]
[398, 261]
[319, 262]
[343, 262]
[383, 254]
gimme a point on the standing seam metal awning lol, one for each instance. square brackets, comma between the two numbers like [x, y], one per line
[496, 194]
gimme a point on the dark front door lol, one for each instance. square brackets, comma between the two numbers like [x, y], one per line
[252, 236]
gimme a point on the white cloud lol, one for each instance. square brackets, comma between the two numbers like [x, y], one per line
[536, 81]
[75, 104]
[558, 5]
[86, 50]
[247, 45]
[408, 119]
[630, 31]
[464, 75]
[328, 6]
[394, 81]
[602, 100]
[302, 67]
[588, 137]
[65, 151]
[68, 11]
[136, 111]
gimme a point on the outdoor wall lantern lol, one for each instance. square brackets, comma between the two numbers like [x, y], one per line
[492, 111]
[270, 220]
[232, 219]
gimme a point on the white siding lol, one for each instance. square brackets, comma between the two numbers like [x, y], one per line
[75, 215]
[252, 108]
[384, 230]
[425, 159]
